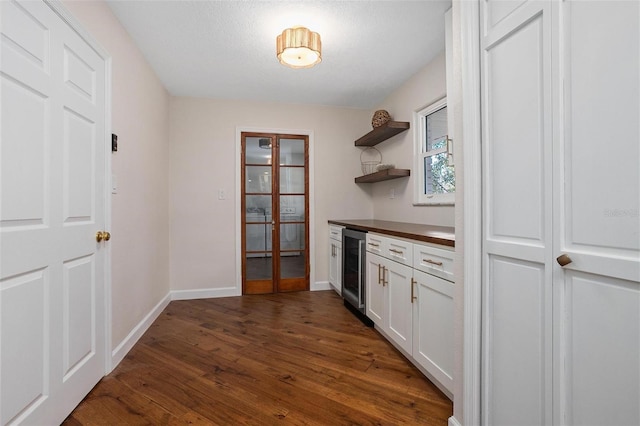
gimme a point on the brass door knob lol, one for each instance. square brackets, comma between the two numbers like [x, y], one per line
[563, 260]
[102, 236]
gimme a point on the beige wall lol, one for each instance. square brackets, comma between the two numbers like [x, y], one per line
[424, 88]
[140, 218]
[203, 160]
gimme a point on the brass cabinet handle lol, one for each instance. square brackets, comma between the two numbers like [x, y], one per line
[396, 251]
[384, 282]
[563, 260]
[373, 244]
[379, 278]
[433, 262]
[412, 294]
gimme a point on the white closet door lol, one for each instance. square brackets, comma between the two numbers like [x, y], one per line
[52, 151]
[517, 172]
[597, 345]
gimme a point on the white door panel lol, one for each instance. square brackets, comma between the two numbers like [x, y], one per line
[597, 342]
[25, 342]
[516, 134]
[498, 10]
[78, 335]
[25, 144]
[53, 154]
[602, 350]
[517, 163]
[601, 130]
[518, 371]
[26, 34]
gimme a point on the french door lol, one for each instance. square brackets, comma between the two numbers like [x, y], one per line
[274, 209]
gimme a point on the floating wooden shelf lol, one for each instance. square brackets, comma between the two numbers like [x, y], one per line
[382, 133]
[383, 175]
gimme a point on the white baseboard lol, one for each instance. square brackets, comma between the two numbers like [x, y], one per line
[207, 293]
[454, 422]
[127, 343]
[321, 285]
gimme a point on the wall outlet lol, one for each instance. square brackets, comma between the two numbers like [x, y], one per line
[221, 194]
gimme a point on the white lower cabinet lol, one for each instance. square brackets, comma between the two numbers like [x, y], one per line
[375, 294]
[413, 308]
[433, 326]
[398, 303]
[388, 299]
[335, 258]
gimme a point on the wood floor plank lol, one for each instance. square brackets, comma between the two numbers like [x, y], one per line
[294, 358]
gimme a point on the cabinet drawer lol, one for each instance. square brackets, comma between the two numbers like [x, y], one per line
[375, 243]
[335, 232]
[432, 260]
[399, 250]
[391, 248]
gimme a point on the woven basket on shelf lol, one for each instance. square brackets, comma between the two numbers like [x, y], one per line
[369, 162]
[380, 117]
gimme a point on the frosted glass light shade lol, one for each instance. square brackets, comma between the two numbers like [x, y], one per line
[299, 47]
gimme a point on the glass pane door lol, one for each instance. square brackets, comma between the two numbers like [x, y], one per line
[275, 205]
[257, 208]
[293, 207]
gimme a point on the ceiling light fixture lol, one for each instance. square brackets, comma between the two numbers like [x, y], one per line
[298, 47]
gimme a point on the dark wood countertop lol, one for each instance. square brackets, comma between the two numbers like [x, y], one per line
[442, 235]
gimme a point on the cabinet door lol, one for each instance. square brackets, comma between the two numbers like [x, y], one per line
[333, 264]
[517, 166]
[375, 290]
[398, 294]
[338, 267]
[433, 326]
[597, 295]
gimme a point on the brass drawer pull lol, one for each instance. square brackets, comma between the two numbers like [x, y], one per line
[396, 251]
[374, 244]
[413, 281]
[433, 262]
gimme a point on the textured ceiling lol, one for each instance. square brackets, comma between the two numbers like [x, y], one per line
[226, 49]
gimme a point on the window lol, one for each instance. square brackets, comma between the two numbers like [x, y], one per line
[433, 161]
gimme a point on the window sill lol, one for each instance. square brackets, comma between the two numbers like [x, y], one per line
[434, 203]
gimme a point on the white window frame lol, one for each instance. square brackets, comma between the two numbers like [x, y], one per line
[419, 121]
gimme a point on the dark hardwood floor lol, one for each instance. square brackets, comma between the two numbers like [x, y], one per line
[293, 358]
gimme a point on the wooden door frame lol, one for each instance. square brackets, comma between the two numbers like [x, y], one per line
[58, 7]
[238, 202]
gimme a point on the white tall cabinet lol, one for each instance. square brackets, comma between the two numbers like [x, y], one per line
[560, 102]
